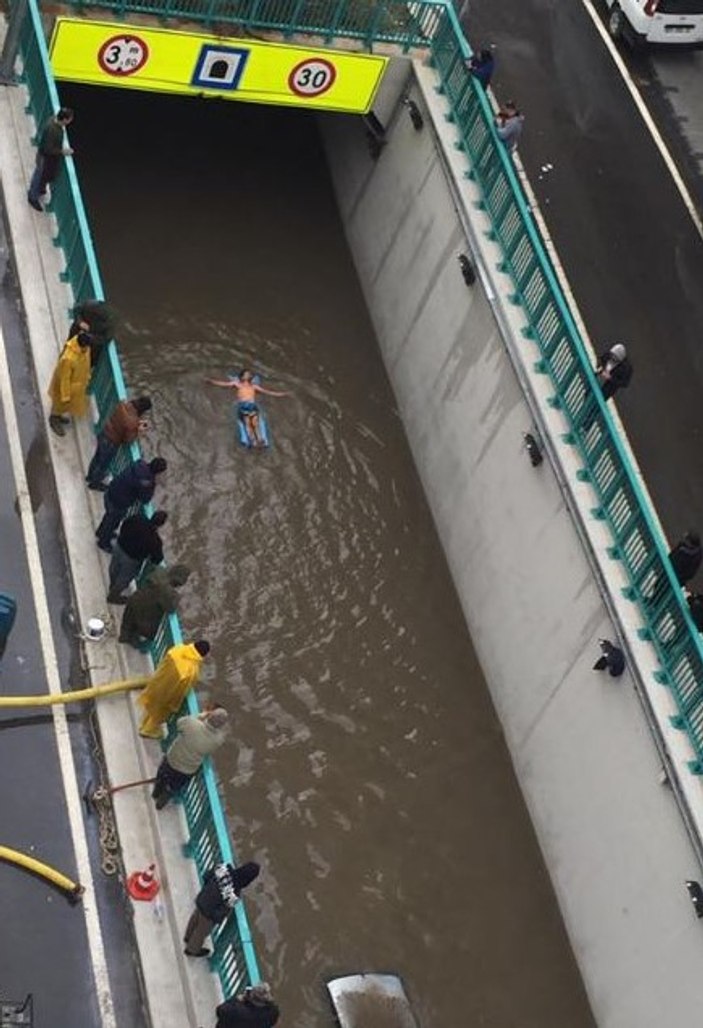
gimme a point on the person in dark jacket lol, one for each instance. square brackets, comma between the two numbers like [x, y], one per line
[157, 596]
[695, 609]
[135, 484]
[222, 887]
[138, 541]
[50, 154]
[122, 427]
[613, 370]
[611, 657]
[481, 66]
[686, 557]
[254, 1007]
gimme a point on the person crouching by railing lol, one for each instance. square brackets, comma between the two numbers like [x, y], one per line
[198, 736]
[68, 389]
[121, 428]
[222, 887]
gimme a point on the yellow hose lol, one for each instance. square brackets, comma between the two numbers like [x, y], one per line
[73, 697]
[71, 888]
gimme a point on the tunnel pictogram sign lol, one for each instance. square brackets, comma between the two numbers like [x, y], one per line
[220, 67]
[174, 61]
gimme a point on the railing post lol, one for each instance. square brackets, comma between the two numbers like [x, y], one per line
[10, 50]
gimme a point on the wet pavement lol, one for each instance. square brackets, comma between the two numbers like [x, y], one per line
[629, 248]
[43, 944]
[367, 772]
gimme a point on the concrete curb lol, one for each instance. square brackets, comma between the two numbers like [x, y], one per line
[179, 993]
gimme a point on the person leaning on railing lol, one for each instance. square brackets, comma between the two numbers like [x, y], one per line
[253, 1008]
[509, 124]
[222, 886]
[50, 153]
[122, 427]
[101, 320]
[155, 598]
[167, 688]
[197, 736]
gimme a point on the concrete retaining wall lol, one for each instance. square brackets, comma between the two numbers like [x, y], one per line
[611, 833]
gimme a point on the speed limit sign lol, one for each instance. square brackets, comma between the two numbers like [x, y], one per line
[123, 55]
[312, 77]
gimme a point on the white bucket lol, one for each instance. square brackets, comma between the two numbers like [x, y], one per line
[95, 629]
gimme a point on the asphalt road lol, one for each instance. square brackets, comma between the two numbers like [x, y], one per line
[43, 942]
[631, 252]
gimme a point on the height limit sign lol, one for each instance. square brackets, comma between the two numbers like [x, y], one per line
[123, 55]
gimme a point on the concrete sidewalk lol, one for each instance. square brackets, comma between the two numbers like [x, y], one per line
[179, 993]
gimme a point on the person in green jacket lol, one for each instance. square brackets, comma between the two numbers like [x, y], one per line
[156, 596]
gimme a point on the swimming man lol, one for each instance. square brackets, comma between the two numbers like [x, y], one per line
[247, 407]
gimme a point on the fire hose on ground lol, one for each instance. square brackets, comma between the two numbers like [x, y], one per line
[95, 692]
[72, 890]
[98, 799]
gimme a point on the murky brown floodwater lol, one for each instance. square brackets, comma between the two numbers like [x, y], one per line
[368, 772]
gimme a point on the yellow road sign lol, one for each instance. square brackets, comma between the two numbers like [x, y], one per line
[167, 61]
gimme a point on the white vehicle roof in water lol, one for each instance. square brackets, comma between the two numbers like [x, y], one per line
[371, 1001]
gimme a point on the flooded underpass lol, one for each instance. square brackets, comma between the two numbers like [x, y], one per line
[367, 770]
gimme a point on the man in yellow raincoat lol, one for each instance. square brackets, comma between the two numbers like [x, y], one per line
[68, 389]
[166, 689]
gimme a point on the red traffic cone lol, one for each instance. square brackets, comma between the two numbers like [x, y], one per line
[143, 885]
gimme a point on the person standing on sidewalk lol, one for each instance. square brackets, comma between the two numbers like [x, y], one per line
[50, 153]
[166, 689]
[68, 389]
[481, 66]
[156, 597]
[253, 1008]
[685, 557]
[509, 125]
[134, 485]
[138, 541]
[122, 427]
[199, 736]
[222, 887]
[613, 370]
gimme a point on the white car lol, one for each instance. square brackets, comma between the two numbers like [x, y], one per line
[659, 22]
[371, 1001]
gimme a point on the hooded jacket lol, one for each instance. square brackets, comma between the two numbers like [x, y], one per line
[156, 597]
[68, 388]
[166, 689]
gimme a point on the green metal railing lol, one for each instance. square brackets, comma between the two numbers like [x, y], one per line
[208, 843]
[406, 25]
[637, 541]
